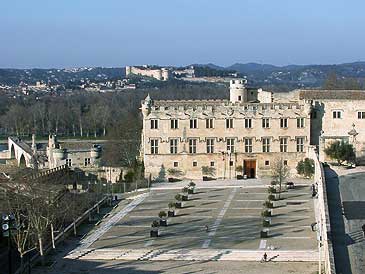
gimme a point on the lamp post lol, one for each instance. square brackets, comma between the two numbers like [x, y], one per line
[8, 221]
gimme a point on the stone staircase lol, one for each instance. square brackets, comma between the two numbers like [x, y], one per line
[195, 255]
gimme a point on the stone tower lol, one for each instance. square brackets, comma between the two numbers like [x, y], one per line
[237, 90]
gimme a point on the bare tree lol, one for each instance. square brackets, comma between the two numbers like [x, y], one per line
[279, 172]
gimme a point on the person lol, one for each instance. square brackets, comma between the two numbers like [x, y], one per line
[206, 228]
[264, 258]
[363, 230]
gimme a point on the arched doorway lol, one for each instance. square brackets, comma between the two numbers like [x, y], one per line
[22, 162]
[12, 152]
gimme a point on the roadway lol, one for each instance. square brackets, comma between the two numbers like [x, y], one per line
[346, 201]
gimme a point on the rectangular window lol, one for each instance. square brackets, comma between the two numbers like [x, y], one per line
[211, 163]
[210, 145]
[337, 114]
[154, 124]
[248, 145]
[300, 122]
[69, 162]
[265, 122]
[230, 145]
[248, 123]
[285, 162]
[192, 146]
[267, 163]
[283, 144]
[209, 123]
[361, 115]
[154, 146]
[176, 164]
[87, 162]
[283, 122]
[300, 144]
[229, 123]
[174, 123]
[265, 144]
[195, 163]
[173, 146]
[193, 123]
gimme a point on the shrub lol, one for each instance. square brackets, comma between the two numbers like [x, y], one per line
[185, 189]
[155, 223]
[266, 213]
[178, 197]
[271, 189]
[192, 184]
[341, 151]
[174, 172]
[271, 197]
[162, 214]
[268, 204]
[306, 167]
[129, 177]
[172, 205]
[208, 171]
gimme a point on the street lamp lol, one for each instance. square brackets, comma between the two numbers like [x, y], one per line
[8, 223]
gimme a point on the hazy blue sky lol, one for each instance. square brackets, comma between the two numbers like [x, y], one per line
[68, 33]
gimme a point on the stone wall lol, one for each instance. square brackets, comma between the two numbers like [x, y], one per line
[324, 220]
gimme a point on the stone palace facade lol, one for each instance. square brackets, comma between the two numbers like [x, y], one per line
[248, 132]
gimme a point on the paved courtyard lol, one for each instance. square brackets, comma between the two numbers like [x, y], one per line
[232, 214]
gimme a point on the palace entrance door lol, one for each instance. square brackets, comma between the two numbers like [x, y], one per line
[249, 167]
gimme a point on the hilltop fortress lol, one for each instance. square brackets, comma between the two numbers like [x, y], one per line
[248, 133]
[161, 74]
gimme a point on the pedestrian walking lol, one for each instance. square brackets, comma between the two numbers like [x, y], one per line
[264, 258]
[363, 230]
[206, 228]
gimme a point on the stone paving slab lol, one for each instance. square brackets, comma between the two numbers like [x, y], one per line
[233, 217]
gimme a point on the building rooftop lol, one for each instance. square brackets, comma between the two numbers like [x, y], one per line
[332, 94]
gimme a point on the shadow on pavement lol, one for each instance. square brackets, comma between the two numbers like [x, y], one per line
[339, 237]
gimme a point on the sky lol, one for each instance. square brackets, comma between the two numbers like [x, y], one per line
[115, 33]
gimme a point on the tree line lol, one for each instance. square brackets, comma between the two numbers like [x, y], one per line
[113, 116]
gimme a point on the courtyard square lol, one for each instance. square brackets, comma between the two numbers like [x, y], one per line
[233, 217]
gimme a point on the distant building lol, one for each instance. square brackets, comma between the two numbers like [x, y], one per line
[81, 155]
[162, 74]
[337, 115]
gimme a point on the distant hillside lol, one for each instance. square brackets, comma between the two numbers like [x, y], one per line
[61, 76]
[260, 75]
[297, 76]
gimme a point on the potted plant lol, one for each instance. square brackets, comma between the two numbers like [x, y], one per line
[207, 171]
[174, 173]
[266, 222]
[154, 229]
[271, 197]
[185, 194]
[240, 170]
[171, 212]
[191, 188]
[268, 204]
[163, 218]
[273, 183]
[264, 233]
[179, 201]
